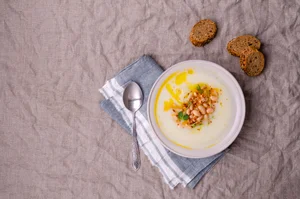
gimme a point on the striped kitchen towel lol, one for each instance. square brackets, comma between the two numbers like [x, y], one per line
[175, 169]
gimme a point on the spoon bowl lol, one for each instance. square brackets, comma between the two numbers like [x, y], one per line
[133, 97]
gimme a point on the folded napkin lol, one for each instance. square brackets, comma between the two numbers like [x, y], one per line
[175, 169]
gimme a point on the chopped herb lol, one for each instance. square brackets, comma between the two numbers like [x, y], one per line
[189, 103]
[194, 125]
[182, 116]
[199, 89]
[185, 117]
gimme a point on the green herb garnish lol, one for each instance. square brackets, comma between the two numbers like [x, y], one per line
[185, 117]
[196, 124]
[199, 89]
[182, 116]
[189, 104]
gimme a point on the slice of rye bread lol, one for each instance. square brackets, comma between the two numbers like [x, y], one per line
[252, 61]
[203, 32]
[239, 44]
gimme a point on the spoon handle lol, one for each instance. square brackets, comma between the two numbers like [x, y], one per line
[135, 147]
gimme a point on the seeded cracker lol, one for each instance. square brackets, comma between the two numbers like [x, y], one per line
[237, 45]
[252, 61]
[203, 32]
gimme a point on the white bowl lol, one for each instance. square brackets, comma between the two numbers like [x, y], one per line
[232, 86]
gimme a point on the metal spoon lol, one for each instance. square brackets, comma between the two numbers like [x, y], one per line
[133, 100]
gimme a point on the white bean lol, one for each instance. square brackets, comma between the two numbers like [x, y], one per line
[199, 118]
[205, 116]
[213, 98]
[191, 107]
[209, 110]
[188, 111]
[201, 109]
[196, 113]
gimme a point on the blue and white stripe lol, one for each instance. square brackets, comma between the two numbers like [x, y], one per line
[148, 142]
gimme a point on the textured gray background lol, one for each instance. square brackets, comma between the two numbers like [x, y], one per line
[56, 142]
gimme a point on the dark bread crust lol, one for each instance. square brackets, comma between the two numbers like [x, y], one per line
[203, 32]
[239, 44]
[252, 61]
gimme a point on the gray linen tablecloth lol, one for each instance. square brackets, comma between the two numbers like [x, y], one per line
[55, 141]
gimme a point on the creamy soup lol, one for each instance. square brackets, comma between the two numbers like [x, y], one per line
[172, 94]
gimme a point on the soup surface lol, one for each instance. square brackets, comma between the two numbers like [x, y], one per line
[172, 103]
